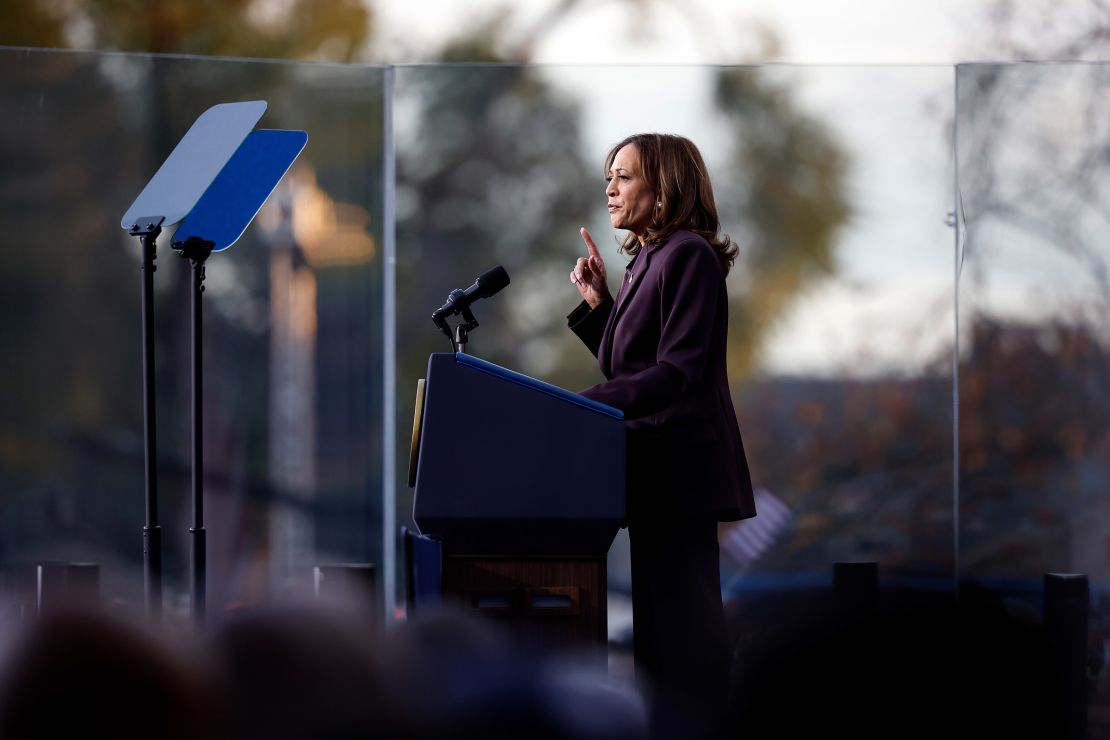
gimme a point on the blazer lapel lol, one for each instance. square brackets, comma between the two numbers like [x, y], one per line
[633, 277]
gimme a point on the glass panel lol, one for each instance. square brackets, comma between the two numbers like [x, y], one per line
[1034, 298]
[835, 183]
[292, 323]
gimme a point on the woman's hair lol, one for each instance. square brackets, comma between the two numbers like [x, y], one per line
[674, 170]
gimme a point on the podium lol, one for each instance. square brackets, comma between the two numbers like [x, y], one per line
[523, 483]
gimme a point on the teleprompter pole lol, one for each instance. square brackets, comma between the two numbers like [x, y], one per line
[148, 230]
[197, 251]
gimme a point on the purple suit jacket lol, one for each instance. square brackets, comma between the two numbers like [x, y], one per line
[661, 346]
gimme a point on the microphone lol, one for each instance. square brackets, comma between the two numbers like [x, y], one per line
[486, 285]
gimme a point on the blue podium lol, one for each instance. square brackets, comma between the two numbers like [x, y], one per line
[523, 483]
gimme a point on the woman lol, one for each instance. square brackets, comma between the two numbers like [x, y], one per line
[661, 346]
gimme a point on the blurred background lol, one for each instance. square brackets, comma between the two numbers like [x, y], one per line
[919, 350]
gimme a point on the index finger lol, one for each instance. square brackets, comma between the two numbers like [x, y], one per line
[590, 243]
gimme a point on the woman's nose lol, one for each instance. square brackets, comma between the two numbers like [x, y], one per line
[611, 188]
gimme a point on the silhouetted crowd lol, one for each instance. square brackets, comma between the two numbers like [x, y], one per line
[300, 672]
[936, 667]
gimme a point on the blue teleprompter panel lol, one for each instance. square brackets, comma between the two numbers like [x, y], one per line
[196, 160]
[230, 203]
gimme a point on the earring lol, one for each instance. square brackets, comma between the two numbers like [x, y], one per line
[659, 204]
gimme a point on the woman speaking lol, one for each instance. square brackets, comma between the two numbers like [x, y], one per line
[661, 345]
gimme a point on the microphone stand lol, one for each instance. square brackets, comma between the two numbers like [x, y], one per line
[441, 322]
[458, 340]
[468, 323]
[148, 229]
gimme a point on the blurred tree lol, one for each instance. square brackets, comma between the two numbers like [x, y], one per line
[788, 191]
[1034, 448]
[1042, 30]
[333, 30]
[32, 24]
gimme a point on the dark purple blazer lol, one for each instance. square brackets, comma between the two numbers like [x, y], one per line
[661, 344]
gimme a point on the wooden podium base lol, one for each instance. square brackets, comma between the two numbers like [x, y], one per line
[556, 602]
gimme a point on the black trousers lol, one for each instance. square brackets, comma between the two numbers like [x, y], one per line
[680, 638]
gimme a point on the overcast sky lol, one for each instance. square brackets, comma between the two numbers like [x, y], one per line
[699, 31]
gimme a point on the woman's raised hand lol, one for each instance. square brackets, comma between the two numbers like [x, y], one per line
[588, 274]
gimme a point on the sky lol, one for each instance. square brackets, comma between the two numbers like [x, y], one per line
[703, 32]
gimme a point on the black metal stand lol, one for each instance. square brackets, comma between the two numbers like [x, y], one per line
[148, 230]
[462, 330]
[197, 251]
[459, 338]
[1066, 608]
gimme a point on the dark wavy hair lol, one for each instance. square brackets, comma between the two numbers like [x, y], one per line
[676, 174]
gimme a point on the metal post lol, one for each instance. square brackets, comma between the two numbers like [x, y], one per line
[856, 586]
[389, 340]
[148, 230]
[1066, 600]
[197, 251]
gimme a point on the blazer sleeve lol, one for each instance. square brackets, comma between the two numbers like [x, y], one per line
[691, 284]
[589, 324]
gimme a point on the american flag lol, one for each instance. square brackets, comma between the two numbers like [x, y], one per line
[748, 539]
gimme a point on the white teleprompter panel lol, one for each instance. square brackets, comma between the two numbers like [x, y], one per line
[194, 162]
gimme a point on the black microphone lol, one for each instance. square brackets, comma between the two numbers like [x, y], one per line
[487, 284]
